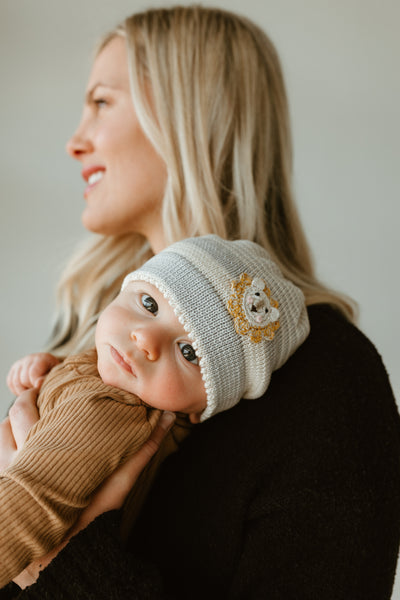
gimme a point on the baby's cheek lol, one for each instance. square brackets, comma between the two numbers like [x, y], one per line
[104, 369]
[171, 390]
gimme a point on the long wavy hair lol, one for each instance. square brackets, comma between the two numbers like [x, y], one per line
[218, 116]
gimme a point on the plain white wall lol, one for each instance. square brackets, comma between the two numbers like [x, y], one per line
[341, 66]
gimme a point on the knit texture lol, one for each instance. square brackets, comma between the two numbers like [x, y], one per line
[295, 496]
[86, 429]
[144, 584]
[243, 317]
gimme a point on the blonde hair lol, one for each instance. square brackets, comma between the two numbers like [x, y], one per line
[209, 93]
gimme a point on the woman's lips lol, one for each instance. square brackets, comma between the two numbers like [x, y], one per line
[120, 360]
[93, 175]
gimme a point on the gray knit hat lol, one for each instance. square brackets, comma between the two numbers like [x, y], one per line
[243, 318]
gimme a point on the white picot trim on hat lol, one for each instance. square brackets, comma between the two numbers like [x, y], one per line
[254, 311]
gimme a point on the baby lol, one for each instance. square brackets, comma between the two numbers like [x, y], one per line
[198, 327]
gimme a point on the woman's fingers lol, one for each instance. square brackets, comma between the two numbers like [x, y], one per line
[31, 573]
[113, 492]
[110, 495]
[28, 576]
[14, 429]
[8, 447]
[132, 468]
[23, 414]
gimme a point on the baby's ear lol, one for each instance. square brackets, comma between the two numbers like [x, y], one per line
[195, 417]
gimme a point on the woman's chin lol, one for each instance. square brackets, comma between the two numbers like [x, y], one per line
[88, 221]
[92, 223]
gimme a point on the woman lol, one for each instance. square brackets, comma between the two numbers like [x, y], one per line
[185, 132]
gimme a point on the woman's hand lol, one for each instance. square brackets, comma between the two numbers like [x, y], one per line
[13, 430]
[110, 495]
[29, 372]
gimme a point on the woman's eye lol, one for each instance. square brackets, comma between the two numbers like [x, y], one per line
[100, 102]
[188, 353]
[150, 304]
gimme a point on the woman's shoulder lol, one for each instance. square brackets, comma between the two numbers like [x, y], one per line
[332, 330]
[337, 371]
[338, 350]
[334, 387]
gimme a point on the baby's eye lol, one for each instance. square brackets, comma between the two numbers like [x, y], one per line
[150, 304]
[188, 353]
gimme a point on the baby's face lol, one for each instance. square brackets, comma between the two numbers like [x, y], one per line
[143, 348]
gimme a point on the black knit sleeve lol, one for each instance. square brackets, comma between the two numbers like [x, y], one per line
[82, 570]
[9, 592]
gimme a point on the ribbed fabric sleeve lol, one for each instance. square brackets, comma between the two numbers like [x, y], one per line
[85, 430]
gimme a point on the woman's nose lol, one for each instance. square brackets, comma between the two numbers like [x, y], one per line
[79, 145]
[148, 342]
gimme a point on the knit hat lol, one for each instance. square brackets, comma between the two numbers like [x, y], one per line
[243, 317]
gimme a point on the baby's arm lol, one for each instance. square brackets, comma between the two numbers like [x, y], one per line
[29, 372]
[68, 453]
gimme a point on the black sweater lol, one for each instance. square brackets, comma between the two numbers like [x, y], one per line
[293, 496]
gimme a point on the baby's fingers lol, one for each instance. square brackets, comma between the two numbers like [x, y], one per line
[37, 368]
[14, 378]
[28, 372]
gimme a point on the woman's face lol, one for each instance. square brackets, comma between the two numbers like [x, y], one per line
[125, 176]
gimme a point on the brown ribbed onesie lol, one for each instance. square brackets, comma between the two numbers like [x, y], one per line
[86, 429]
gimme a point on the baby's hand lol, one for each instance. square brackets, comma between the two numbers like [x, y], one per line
[29, 372]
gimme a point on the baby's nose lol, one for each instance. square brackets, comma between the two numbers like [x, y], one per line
[148, 342]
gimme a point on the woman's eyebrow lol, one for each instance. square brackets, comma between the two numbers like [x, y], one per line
[90, 92]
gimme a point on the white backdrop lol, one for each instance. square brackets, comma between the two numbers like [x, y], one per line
[341, 65]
